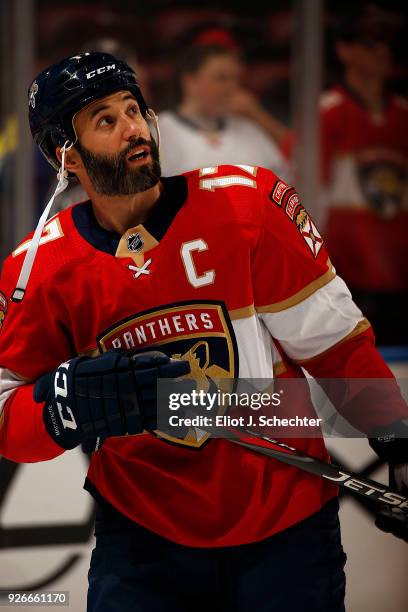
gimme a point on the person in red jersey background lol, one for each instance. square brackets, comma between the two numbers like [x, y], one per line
[364, 132]
[364, 159]
[115, 293]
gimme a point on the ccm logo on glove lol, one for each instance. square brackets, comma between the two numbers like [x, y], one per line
[113, 394]
[61, 378]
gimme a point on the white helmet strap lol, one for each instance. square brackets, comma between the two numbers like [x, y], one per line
[152, 120]
[19, 291]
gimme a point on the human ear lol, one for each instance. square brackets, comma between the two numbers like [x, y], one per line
[72, 159]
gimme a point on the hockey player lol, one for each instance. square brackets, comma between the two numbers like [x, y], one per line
[219, 271]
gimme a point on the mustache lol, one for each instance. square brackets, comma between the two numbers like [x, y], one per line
[134, 144]
[110, 175]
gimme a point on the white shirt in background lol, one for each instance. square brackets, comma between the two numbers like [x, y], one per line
[184, 147]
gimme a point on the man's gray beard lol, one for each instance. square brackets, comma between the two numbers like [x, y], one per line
[111, 175]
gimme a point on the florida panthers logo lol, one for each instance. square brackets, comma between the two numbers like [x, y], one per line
[198, 332]
[202, 370]
[383, 183]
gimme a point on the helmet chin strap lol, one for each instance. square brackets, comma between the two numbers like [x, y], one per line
[152, 120]
[19, 291]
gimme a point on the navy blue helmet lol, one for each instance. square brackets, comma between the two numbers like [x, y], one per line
[64, 88]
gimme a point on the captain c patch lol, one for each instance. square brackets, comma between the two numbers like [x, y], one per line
[3, 308]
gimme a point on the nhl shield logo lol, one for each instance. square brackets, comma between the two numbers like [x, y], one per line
[32, 93]
[134, 242]
[198, 332]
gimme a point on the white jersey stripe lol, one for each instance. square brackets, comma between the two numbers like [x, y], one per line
[255, 348]
[9, 381]
[317, 323]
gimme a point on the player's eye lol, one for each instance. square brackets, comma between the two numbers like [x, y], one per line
[134, 110]
[105, 121]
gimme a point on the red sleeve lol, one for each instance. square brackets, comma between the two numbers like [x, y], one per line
[34, 340]
[34, 337]
[290, 259]
[365, 405]
[297, 294]
[23, 437]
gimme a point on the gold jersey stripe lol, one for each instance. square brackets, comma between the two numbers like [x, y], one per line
[1, 419]
[242, 313]
[361, 326]
[302, 294]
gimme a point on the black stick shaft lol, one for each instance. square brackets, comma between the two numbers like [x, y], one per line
[339, 475]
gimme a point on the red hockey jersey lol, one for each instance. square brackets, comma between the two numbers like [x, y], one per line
[364, 161]
[232, 275]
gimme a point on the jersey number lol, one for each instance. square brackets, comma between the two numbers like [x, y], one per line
[209, 184]
[199, 245]
[52, 231]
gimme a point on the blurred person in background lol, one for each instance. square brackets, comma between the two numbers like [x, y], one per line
[217, 121]
[364, 151]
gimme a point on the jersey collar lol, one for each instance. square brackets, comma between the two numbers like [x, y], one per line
[172, 199]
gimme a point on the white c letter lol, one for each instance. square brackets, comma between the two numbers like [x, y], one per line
[186, 254]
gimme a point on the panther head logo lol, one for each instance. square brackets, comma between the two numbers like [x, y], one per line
[202, 371]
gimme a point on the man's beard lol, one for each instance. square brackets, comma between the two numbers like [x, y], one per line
[112, 176]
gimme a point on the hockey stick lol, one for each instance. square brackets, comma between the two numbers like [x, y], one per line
[364, 487]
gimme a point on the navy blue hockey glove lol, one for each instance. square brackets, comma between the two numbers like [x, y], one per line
[395, 520]
[113, 394]
[391, 444]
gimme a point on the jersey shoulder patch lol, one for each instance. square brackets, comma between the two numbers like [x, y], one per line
[287, 202]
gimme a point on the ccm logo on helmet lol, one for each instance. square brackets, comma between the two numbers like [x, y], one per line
[90, 75]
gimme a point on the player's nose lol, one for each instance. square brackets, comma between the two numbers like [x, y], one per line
[131, 127]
